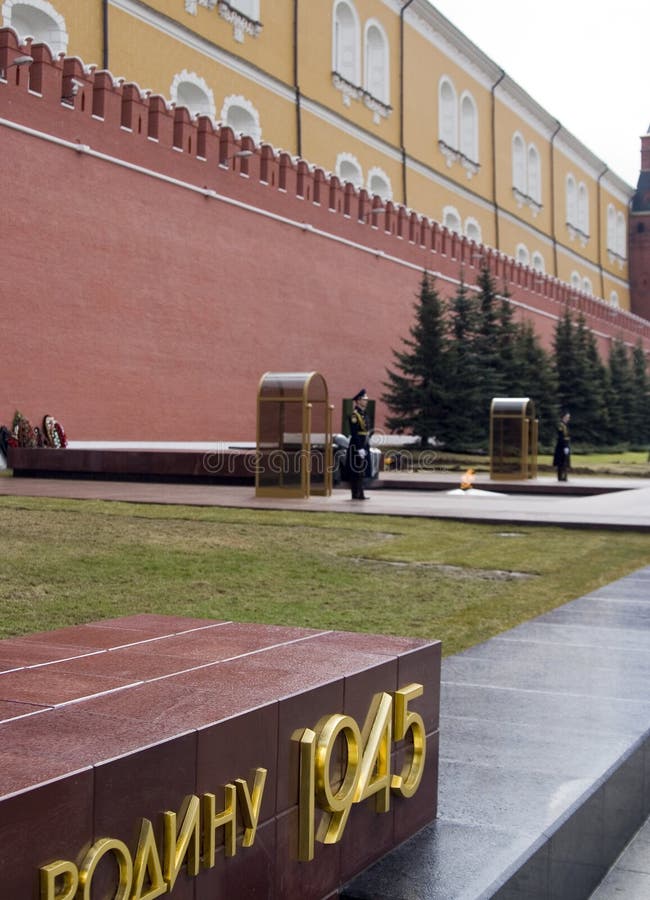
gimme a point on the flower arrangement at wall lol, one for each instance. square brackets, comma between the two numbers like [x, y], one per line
[23, 434]
[53, 433]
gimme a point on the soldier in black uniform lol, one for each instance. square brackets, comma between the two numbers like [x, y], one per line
[562, 454]
[358, 453]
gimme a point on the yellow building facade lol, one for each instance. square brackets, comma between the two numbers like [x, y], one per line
[385, 94]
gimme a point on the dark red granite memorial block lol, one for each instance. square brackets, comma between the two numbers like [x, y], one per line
[42, 824]
[239, 745]
[186, 752]
[414, 813]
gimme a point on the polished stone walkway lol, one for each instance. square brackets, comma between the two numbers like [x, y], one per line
[625, 505]
[544, 762]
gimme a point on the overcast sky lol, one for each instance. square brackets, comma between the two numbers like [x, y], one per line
[585, 61]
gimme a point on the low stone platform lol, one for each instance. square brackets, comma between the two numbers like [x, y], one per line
[203, 464]
[195, 758]
[198, 466]
[544, 759]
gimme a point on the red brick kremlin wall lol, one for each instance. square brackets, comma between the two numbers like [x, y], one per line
[150, 276]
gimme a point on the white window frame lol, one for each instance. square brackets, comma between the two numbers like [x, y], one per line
[451, 213]
[448, 119]
[380, 91]
[345, 160]
[351, 71]
[583, 209]
[57, 46]
[468, 133]
[237, 101]
[248, 8]
[472, 230]
[534, 174]
[519, 163]
[522, 254]
[571, 201]
[621, 235]
[200, 84]
[611, 227]
[376, 173]
[537, 262]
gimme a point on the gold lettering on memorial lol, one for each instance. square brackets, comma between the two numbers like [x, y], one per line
[212, 821]
[250, 804]
[145, 877]
[184, 844]
[408, 780]
[339, 764]
[64, 873]
[358, 763]
[147, 866]
[92, 859]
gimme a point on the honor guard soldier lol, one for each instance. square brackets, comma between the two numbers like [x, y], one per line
[358, 454]
[562, 453]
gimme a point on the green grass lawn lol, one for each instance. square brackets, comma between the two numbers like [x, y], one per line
[66, 562]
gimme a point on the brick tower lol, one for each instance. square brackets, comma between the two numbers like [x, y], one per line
[640, 237]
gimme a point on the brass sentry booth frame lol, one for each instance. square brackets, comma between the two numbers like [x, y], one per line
[294, 436]
[513, 438]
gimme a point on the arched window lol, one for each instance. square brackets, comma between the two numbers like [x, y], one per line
[345, 41]
[571, 201]
[523, 256]
[379, 184]
[575, 280]
[621, 235]
[376, 80]
[451, 219]
[586, 286]
[611, 227]
[518, 163]
[37, 19]
[613, 298]
[538, 262]
[348, 169]
[447, 114]
[583, 209]
[534, 180]
[239, 114]
[190, 90]
[250, 8]
[473, 230]
[468, 127]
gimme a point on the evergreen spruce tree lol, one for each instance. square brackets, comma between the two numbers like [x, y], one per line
[487, 345]
[581, 379]
[534, 377]
[464, 429]
[417, 392]
[507, 335]
[593, 382]
[621, 394]
[640, 411]
[564, 360]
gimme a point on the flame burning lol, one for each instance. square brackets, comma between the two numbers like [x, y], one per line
[467, 481]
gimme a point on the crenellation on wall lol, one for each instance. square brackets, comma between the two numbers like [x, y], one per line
[207, 139]
[135, 116]
[106, 97]
[44, 75]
